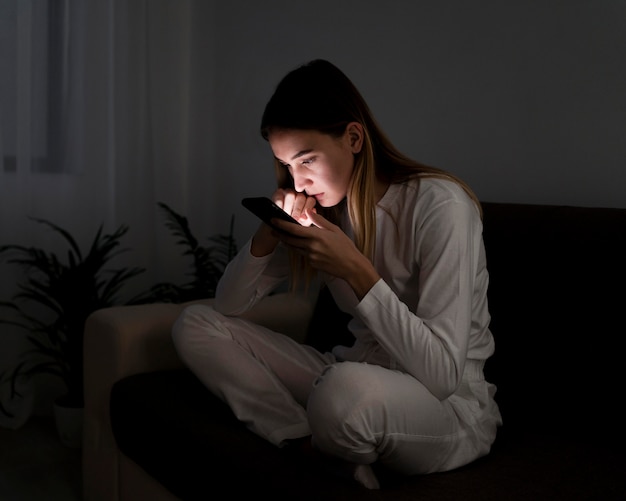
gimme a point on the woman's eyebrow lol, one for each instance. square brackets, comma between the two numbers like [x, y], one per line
[301, 153]
[297, 155]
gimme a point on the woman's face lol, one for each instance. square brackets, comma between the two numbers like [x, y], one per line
[320, 165]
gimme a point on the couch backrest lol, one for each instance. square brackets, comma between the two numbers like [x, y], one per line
[557, 297]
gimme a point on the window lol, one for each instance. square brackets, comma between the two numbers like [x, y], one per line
[31, 80]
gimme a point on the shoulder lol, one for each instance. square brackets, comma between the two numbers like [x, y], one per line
[426, 196]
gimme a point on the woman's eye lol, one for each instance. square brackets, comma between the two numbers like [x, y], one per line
[308, 161]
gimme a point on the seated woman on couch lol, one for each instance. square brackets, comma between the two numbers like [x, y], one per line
[399, 245]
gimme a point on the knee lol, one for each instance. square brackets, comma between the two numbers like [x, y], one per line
[193, 326]
[343, 406]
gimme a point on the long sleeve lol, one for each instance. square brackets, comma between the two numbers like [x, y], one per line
[429, 310]
[247, 279]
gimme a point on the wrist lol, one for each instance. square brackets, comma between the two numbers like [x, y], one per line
[263, 242]
[363, 279]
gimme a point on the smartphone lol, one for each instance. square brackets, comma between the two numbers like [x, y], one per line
[266, 210]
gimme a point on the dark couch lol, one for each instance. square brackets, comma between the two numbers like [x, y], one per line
[557, 298]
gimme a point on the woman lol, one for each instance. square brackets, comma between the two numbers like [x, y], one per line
[399, 245]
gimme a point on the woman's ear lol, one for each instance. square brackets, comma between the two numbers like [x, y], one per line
[354, 131]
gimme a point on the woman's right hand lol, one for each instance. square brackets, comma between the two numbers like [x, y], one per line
[293, 203]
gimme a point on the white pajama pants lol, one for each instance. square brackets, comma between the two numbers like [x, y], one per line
[356, 411]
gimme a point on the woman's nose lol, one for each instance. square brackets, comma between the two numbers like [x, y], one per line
[300, 182]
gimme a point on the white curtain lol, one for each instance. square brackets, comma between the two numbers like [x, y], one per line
[105, 111]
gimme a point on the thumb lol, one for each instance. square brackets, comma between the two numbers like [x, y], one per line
[318, 220]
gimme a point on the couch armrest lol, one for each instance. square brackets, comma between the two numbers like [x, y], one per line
[125, 340]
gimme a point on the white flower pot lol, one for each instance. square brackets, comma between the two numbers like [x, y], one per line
[69, 424]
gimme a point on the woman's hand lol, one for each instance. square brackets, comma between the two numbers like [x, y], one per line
[330, 250]
[295, 204]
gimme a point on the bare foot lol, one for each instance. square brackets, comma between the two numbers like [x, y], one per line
[361, 473]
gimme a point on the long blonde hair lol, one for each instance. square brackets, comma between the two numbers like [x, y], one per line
[318, 96]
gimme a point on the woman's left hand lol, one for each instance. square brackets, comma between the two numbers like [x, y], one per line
[329, 250]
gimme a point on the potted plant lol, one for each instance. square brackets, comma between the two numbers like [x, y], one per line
[66, 293]
[52, 304]
[207, 261]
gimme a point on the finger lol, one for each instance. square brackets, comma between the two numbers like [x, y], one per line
[288, 202]
[299, 205]
[310, 204]
[279, 197]
[319, 220]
